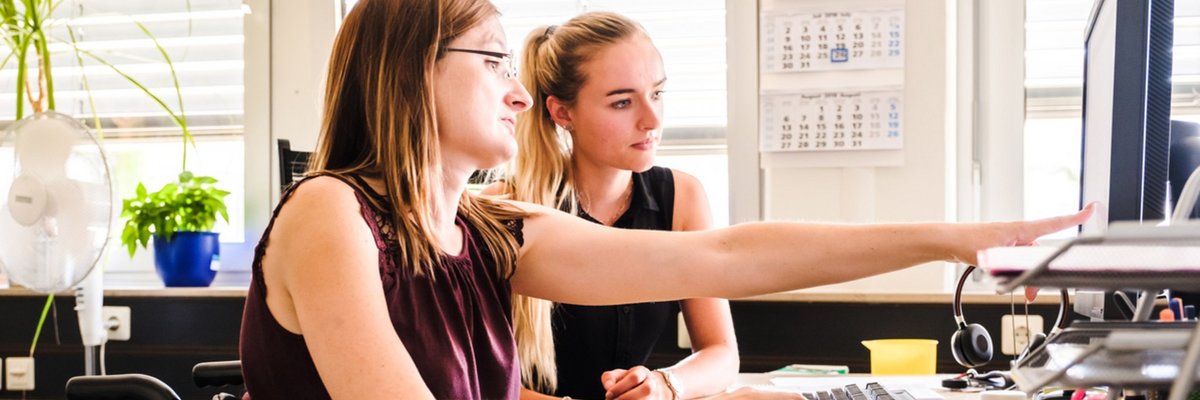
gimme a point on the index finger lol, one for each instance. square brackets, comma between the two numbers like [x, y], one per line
[1047, 226]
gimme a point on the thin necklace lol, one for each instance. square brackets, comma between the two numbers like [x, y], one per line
[622, 205]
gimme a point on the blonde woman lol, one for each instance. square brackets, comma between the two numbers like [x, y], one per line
[587, 147]
[381, 277]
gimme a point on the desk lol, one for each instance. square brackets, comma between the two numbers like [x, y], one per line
[762, 381]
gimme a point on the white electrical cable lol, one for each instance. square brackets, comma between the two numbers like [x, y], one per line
[1187, 198]
[102, 346]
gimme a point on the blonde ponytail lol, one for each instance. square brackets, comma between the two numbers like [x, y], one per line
[541, 173]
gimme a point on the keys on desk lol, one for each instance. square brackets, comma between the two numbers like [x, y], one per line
[874, 391]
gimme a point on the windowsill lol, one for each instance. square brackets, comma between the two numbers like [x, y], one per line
[147, 284]
[234, 283]
[211, 291]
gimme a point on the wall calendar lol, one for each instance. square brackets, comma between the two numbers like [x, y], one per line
[832, 40]
[836, 120]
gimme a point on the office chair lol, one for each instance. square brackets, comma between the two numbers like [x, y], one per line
[292, 164]
[119, 387]
[218, 374]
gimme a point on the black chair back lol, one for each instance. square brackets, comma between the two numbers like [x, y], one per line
[292, 164]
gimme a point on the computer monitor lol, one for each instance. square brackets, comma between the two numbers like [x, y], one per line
[1127, 111]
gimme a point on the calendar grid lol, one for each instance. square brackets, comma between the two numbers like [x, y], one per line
[844, 40]
[831, 121]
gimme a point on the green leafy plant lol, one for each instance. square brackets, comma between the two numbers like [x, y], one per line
[189, 205]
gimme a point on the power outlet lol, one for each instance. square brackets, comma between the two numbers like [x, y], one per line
[117, 322]
[1016, 331]
[18, 373]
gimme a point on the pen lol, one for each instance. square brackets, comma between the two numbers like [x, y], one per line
[1176, 305]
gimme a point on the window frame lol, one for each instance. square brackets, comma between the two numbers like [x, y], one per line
[237, 257]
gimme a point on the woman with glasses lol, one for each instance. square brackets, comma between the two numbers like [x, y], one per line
[381, 277]
[587, 147]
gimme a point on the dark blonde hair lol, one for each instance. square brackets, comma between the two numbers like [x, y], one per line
[380, 119]
[552, 65]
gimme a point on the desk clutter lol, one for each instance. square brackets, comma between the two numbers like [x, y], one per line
[1135, 354]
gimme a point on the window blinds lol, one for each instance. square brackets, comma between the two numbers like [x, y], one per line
[205, 46]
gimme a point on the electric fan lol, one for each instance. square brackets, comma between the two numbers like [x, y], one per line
[57, 213]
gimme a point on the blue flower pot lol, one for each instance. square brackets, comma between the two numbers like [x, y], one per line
[189, 259]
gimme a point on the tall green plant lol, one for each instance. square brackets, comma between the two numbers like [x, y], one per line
[25, 27]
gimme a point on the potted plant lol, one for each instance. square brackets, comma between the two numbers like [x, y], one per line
[179, 218]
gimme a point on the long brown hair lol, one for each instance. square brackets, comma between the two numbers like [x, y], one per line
[552, 65]
[380, 119]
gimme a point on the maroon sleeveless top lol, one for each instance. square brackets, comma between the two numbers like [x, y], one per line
[455, 324]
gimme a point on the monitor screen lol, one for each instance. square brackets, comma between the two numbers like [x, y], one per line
[1126, 111]
[1097, 127]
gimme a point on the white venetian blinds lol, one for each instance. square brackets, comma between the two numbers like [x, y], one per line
[202, 37]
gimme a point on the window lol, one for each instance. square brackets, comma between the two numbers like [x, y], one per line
[690, 35]
[204, 39]
[1054, 52]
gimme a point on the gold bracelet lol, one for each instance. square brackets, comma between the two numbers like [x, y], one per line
[669, 378]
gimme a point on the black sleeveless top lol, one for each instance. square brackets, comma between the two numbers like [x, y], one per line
[456, 324]
[589, 340]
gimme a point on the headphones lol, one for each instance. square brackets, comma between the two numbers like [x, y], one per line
[972, 345]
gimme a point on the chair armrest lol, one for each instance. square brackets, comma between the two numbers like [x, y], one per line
[217, 373]
[115, 387]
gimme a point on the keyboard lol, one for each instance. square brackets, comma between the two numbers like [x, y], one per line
[872, 391]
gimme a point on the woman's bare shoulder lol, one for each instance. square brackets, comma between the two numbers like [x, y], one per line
[323, 208]
[691, 203]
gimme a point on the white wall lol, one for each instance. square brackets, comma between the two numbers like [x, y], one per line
[302, 36]
[922, 189]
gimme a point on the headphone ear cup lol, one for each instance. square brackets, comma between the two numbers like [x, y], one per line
[980, 345]
[956, 348]
[971, 346]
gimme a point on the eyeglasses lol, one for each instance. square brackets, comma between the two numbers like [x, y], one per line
[508, 69]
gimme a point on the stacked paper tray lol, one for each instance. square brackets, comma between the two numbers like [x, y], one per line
[1099, 266]
[1153, 365]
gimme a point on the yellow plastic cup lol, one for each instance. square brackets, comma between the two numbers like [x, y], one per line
[903, 356]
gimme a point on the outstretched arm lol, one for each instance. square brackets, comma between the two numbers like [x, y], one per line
[569, 260]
